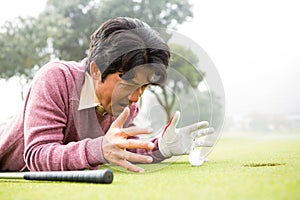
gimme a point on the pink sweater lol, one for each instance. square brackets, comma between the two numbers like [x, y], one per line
[51, 133]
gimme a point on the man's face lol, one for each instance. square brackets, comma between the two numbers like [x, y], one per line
[118, 91]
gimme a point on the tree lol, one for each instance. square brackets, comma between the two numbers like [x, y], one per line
[70, 24]
[74, 21]
[183, 76]
[23, 48]
[157, 13]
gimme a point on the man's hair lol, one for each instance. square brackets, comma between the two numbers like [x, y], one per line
[121, 44]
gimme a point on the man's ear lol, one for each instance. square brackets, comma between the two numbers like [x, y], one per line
[95, 72]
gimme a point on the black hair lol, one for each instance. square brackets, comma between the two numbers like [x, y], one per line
[122, 43]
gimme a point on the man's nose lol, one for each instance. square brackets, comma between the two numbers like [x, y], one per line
[135, 95]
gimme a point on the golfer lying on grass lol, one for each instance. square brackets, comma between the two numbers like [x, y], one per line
[80, 115]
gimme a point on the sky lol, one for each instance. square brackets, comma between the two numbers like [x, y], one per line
[254, 45]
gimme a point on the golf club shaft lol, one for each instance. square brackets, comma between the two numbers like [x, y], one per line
[93, 176]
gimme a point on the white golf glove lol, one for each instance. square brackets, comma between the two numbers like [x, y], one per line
[179, 141]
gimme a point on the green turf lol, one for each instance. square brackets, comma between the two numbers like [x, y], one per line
[237, 169]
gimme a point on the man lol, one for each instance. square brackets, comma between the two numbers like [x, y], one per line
[80, 115]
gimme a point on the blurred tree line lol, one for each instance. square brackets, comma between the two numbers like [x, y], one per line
[63, 29]
[264, 122]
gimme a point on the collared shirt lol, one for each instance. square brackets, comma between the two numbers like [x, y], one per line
[88, 98]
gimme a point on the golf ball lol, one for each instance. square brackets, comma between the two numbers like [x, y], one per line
[196, 158]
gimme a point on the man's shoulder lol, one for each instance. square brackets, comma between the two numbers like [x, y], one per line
[66, 66]
[58, 69]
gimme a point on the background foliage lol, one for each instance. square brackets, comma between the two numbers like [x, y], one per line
[63, 29]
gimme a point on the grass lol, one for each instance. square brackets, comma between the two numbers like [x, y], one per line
[238, 168]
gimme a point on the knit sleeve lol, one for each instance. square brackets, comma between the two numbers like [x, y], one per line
[46, 115]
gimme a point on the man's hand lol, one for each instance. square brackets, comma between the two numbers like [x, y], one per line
[116, 141]
[179, 141]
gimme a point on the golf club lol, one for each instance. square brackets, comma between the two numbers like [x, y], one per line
[93, 176]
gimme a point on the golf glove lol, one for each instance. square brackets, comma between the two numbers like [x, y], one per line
[179, 141]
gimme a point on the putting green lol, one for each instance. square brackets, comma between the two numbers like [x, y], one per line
[238, 168]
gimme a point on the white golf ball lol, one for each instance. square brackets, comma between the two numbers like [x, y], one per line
[196, 158]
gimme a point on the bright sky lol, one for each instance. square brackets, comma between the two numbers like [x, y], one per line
[255, 46]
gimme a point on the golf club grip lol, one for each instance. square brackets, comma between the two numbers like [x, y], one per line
[93, 176]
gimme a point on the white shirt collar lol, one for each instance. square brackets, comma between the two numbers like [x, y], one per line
[88, 98]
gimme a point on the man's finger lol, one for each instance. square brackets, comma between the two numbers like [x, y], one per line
[129, 166]
[136, 144]
[133, 131]
[196, 126]
[137, 158]
[126, 157]
[201, 143]
[175, 119]
[172, 123]
[203, 132]
[119, 122]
